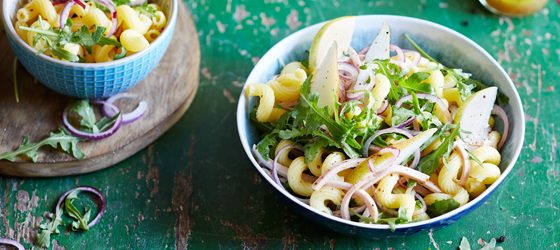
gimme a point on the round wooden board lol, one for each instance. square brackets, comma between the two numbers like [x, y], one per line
[169, 90]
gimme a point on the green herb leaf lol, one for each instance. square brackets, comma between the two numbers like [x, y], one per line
[305, 63]
[430, 163]
[67, 142]
[413, 85]
[473, 157]
[44, 237]
[441, 207]
[121, 55]
[88, 121]
[148, 10]
[82, 223]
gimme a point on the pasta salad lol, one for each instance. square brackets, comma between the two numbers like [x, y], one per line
[89, 31]
[374, 138]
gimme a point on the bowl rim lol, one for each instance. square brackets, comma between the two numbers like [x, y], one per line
[241, 118]
[155, 43]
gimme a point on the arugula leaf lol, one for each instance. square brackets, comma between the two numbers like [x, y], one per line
[313, 148]
[267, 146]
[473, 157]
[441, 207]
[430, 163]
[82, 223]
[305, 63]
[56, 39]
[121, 55]
[88, 121]
[44, 237]
[148, 10]
[105, 123]
[413, 85]
[67, 142]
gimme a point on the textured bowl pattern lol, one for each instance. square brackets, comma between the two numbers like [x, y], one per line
[450, 48]
[91, 80]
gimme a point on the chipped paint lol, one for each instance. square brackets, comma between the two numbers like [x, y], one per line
[250, 240]
[293, 20]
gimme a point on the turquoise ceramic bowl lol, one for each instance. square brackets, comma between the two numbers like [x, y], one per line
[89, 80]
[445, 45]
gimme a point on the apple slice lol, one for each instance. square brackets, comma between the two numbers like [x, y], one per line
[407, 148]
[379, 49]
[327, 79]
[339, 30]
[474, 113]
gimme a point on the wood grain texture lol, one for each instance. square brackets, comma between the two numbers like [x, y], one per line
[169, 90]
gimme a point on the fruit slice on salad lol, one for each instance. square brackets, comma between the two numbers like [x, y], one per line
[327, 79]
[473, 115]
[379, 49]
[407, 148]
[339, 30]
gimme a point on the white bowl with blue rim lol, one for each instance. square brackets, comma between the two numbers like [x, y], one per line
[89, 80]
[445, 45]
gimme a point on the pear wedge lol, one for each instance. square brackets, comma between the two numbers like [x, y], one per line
[407, 148]
[327, 79]
[339, 30]
[474, 113]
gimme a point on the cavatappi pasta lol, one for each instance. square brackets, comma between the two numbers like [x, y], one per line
[302, 148]
[135, 29]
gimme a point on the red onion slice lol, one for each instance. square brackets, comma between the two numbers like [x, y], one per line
[424, 207]
[466, 165]
[429, 97]
[10, 242]
[333, 170]
[382, 132]
[129, 117]
[79, 2]
[275, 162]
[88, 136]
[417, 58]
[384, 107]
[399, 52]
[111, 8]
[88, 189]
[502, 114]
[59, 2]
[65, 12]
[394, 151]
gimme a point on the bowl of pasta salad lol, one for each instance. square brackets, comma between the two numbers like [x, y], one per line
[89, 48]
[381, 125]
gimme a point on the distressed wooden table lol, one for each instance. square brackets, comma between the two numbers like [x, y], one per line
[194, 187]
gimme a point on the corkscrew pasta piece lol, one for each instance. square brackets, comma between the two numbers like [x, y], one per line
[380, 90]
[133, 41]
[494, 138]
[325, 195]
[127, 16]
[297, 184]
[489, 172]
[283, 158]
[446, 183]
[474, 187]
[390, 200]
[316, 164]
[267, 99]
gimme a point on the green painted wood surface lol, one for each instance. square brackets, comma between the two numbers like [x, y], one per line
[194, 188]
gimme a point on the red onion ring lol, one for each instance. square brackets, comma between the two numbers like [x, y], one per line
[364, 86]
[382, 132]
[417, 58]
[10, 242]
[59, 2]
[384, 107]
[502, 114]
[424, 207]
[275, 162]
[111, 8]
[89, 189]
[350, 70]
[406, 123]
[129, 117]
[79, 2]
[65, 12]
[466, 165]
[429, 97]
[386, 164]
[399, 52]
[333, 170]
[88, 136]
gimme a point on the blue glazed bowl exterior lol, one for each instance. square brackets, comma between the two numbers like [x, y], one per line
[92, 80]
[447, 46]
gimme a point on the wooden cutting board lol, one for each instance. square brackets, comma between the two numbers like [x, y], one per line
[169, 90]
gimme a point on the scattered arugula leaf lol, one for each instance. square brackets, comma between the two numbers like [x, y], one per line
[441, 207]
[489, 246]
[464, 244]
[44, 237]
[430, 163]
[67, 142]
[82, 223]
